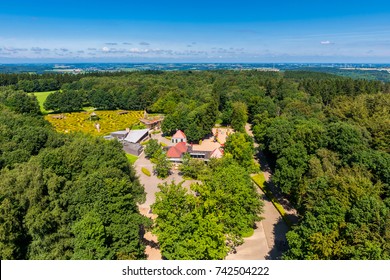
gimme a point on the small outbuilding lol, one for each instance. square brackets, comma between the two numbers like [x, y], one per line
[132, 148]
[178, 137]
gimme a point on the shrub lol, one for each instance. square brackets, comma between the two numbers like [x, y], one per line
[146, 171]
[248, 233]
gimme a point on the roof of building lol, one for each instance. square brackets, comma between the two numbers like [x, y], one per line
[146, 121]
[119, 132]
[135, 135]
[217, 153]
[179, 134]
[108, 137]
[177, 150]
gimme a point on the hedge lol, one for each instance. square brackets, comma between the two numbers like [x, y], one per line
[146, 171]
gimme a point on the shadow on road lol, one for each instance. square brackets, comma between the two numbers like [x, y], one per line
[280, 241]
[291, 212]
[264, 166]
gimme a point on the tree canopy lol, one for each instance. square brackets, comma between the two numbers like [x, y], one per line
[326, 138]
[210, 220]
[65, 196]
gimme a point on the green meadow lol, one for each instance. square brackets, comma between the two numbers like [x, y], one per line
[41, 96]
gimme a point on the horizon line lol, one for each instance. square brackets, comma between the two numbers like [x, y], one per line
[201, 62]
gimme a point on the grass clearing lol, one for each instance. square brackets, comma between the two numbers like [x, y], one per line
[109, 121]
[131, 158]
[41, 96]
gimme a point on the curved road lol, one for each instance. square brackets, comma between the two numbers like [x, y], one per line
[267, 242]
[269, 239]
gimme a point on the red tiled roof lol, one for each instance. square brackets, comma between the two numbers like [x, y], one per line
[179, 134]
[177, 150]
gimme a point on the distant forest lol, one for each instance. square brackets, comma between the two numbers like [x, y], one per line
[379, 75]
[327, 138]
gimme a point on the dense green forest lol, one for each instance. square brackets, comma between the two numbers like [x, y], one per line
[63, 196]
[46, 82]
[326, 138]
[379, 75]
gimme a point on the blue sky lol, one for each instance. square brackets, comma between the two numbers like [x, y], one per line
[195, 31]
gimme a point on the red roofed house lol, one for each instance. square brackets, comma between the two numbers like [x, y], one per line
[176, 152]
[178, 137]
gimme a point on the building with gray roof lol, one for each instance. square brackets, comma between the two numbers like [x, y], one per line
[136, 136]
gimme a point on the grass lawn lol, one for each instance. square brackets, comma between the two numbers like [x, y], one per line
[131, 158]
[41, 96]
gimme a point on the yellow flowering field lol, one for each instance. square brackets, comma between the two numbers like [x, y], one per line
[108, 121]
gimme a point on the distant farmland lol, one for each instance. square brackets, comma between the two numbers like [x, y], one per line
[109, 121]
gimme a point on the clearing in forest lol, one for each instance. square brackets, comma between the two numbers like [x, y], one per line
[41, 96]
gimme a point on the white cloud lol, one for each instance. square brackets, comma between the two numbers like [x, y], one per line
[105, 49]
[39, 49]
[326, 42]
[137, 50]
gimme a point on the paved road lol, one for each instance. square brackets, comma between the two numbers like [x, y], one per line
[150, 185]
[269, 238]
